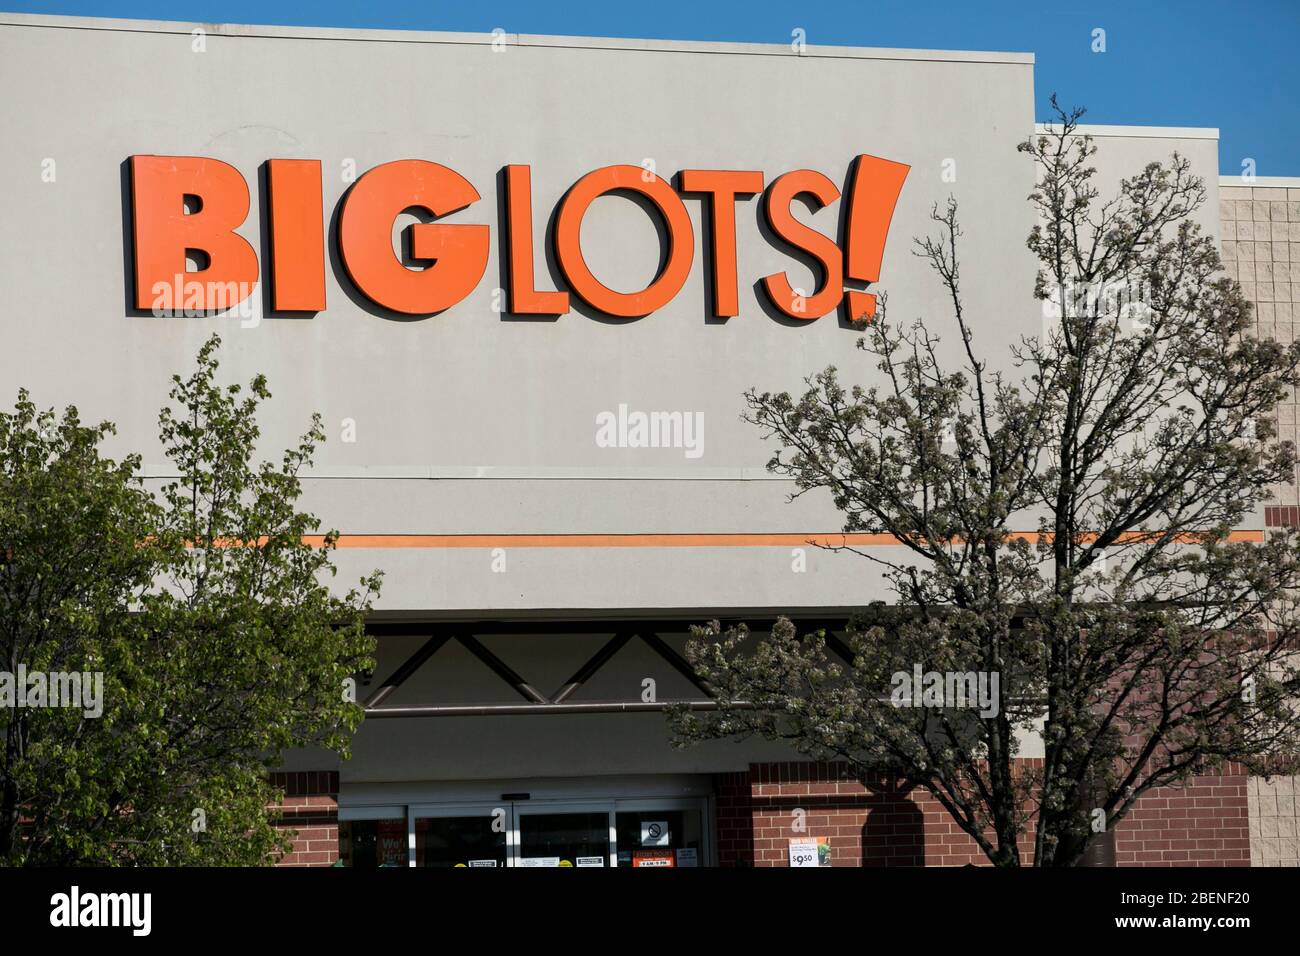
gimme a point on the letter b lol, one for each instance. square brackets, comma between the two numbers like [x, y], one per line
[163, 232]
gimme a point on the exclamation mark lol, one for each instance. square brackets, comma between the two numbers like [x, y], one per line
[872, 198]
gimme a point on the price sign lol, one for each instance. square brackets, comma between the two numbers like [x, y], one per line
[810, 851]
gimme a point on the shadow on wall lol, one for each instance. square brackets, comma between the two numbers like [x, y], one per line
[893, 833]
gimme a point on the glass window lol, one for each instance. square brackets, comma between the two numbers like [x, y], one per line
[670, 833]
[460, 841]
[659, 838]
[372, 843]
[564, 839]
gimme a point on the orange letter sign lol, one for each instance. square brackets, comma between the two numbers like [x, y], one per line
[681, 241]
[524, 297]
[297, 235]
[776, 205]
[163, 232]
[872, 197]
[723, 186]
[459, 252]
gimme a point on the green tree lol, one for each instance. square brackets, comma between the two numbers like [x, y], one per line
[1130, 630]
[208, 611]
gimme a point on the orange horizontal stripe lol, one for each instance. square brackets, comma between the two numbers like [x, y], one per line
[758, 540]
[602, 540]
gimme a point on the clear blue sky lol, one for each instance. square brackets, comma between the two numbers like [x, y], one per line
[1234, 65]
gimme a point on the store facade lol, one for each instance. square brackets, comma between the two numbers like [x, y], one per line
[525, 281]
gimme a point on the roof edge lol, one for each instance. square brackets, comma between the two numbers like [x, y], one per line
[1140, 132]
[1266, 182]
[511, 39]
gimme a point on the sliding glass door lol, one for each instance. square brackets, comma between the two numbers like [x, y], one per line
[653, 833]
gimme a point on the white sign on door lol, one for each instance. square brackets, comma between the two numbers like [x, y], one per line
[654, 833]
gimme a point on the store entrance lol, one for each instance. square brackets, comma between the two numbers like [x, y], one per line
[586, 834]
[578, 835]
[469, 836]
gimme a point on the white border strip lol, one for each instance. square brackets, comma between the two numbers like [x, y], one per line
[512, 39]
[1264, 182]
[1139, 132]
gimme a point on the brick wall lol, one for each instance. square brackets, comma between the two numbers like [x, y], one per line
[311, 809]
[735, 819]
[868, 825]
[1203, 823]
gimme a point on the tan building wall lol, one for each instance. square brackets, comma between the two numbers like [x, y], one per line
[1261, 250]
[1274, 821]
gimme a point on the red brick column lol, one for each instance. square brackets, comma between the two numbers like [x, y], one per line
[735, 809]
[311, 809]
[876, 824]
[1204, 822]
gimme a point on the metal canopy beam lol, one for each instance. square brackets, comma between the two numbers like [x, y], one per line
[587, 670]
[581, 707]
[502, 670]
[836, 644]
[678, 663]
[407, 668]
[593, 625]
[534, 701]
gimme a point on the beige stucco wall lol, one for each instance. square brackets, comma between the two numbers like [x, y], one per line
[1274, 821]
[1260, 226]
[1261, 250]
